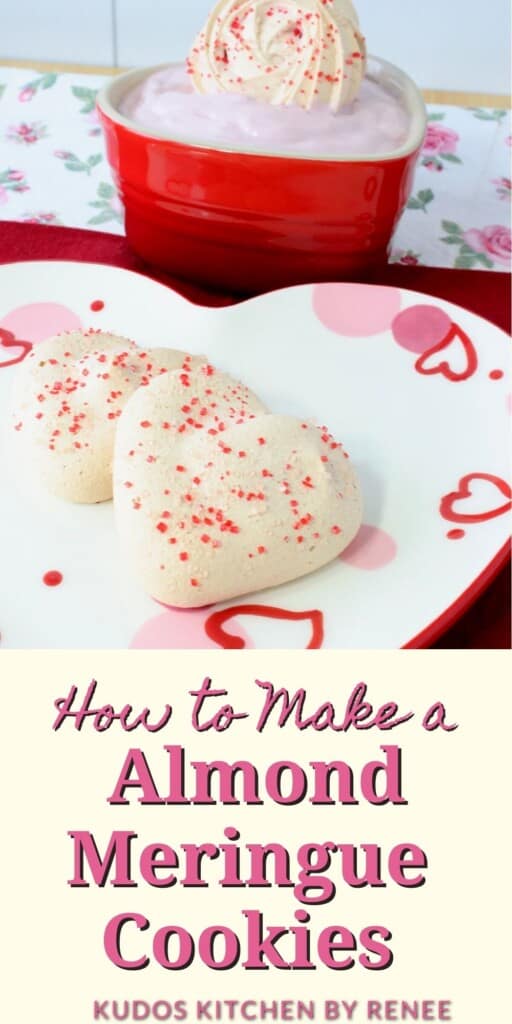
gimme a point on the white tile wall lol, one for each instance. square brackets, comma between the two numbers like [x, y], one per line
[154, 31]
[443, 44]
[451, 44]
[59, 30]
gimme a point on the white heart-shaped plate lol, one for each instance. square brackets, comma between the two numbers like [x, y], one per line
[432, 451]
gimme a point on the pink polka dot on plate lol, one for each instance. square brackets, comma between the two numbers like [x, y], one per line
[372, 549]
[421, 328]
[356, 310]
[39, 321]
[178, 629]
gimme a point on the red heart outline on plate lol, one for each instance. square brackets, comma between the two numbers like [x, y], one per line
[443, 366]
[214, 625]
[464, 491]
[8, 340]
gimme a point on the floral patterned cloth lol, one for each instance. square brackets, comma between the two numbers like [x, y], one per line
[53, 170]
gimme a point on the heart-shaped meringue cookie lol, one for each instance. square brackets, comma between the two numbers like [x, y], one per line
[68, 397]
[215, 497]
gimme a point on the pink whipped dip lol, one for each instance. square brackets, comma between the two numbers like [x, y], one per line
[166, 103]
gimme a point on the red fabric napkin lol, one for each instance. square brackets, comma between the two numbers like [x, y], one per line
[488, 622]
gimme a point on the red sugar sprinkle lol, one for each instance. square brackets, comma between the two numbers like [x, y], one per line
[97, 306]
[145, 424]
[162, 527]
[180, 469]
[53, 578]
[336, 530]
[194, 582]
[183, 556]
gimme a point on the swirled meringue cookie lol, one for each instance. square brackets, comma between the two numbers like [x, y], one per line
[68, 398]
[215, 497]
[283, 52]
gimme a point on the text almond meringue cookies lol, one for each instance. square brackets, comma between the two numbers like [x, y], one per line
[281, 53]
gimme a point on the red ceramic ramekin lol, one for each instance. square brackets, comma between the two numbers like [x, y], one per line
[245, 221]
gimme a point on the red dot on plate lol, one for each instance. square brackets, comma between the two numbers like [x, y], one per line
[496, 374]
[97, 306]
[456, 534]
[53, 578]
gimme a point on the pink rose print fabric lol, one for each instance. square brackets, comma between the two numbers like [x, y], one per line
[441, 144]
[26, 134]
[503, 187]
[489, 247]
[440, 140]
[11, 180]
[53, 170]
[495, 241]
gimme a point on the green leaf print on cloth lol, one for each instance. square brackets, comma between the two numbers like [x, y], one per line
[483, 247]
[73, 163]
[29, 90]
[12, 180]
[87, 97]
[488, 115]
[421, 200]
[108, 205]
